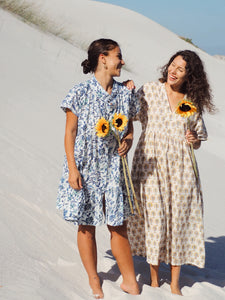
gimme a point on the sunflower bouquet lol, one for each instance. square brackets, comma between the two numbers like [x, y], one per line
[186, 108]
[103, 128]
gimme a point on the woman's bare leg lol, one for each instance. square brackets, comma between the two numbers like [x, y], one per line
[121, 251]
[88, 253]
[154, 270]
[175, 275]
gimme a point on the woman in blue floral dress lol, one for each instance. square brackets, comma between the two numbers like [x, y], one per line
[92, 189]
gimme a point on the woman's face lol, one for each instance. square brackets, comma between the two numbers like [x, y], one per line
[177, 72]
[114, 62]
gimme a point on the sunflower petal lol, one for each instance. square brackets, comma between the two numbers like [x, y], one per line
[119, 121]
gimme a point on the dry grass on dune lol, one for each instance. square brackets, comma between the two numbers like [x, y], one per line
[30, 14]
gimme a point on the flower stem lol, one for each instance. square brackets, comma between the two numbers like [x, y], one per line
[126, 181]
[132, 187]
[192, 153]
[193, 161]
[125, 174]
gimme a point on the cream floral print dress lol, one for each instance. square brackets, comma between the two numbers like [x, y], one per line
[171, 227]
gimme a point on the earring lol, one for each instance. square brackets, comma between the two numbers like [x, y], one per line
[105, 67]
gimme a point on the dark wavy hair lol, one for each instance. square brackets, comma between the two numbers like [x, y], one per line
[196, 85]
[97, 47]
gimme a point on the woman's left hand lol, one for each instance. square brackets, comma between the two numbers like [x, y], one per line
[192, 138]
[129, 84]
[125, 146]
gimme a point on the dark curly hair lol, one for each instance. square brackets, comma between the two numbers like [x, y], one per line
[97, 47]
[196, 85]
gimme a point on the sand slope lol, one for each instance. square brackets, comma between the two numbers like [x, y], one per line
[38, 253]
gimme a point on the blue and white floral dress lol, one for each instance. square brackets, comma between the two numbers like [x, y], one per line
[96, 158]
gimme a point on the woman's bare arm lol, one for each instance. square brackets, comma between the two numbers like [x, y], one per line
[69, 141]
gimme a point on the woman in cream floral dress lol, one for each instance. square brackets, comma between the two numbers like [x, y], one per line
[171, 227]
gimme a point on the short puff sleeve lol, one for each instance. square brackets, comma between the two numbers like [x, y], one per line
[71, 101]
[143, 107]
[134, 105]
[197, 124]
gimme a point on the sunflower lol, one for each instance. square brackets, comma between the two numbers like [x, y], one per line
[119, 121]
[185, 108]
[102, 127]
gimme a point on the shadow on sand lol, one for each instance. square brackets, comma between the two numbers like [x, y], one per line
[140, 265]
[214, 271]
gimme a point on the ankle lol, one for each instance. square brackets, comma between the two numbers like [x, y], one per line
[95, 284]
[130, 287]
[154, 280]
[175, 288]
[175, 284]
[155, 283]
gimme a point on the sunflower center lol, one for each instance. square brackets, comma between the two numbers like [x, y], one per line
[119, 122]
[104, 128]
[185, 107]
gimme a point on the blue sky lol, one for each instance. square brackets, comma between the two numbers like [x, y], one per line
[203, 21]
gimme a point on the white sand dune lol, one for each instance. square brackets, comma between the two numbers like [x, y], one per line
[38, 255]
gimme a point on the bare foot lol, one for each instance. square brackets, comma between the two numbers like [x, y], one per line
[96, 287]
[176, 290]
[130, 289]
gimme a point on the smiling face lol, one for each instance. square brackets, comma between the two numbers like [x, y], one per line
[177, 72]
[114, 62]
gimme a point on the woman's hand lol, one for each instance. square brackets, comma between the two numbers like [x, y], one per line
[127, 140]
[129, 84]
[75, 180]
[125, 146]
[192, 138]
